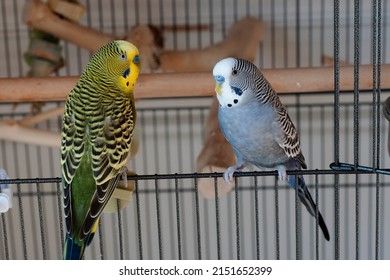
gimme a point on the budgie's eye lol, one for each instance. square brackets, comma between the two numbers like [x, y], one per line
[136, 59]
[219, 79]
[122, 56]
[235, 72]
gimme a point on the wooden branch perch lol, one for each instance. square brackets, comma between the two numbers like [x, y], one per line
[165, 85]
[329, 61]
[242, 40]
[12, 131]
[20, 131]
[122, 195]
[169, 85]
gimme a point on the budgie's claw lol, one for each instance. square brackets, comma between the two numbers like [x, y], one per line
[282, 173]
[228, 174]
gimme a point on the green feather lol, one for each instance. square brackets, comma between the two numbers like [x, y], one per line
[83, 188]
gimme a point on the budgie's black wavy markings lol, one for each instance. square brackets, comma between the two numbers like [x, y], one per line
[97, 130]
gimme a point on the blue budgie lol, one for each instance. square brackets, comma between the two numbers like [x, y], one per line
[257, 126]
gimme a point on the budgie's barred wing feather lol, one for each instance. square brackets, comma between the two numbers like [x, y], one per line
[289, 140]
[109, 159]
[72, 150]
[110, 146]
[99, 201]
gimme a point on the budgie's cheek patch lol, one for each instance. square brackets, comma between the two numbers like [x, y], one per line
[230, 96]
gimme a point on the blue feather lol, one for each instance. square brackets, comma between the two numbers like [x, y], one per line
[237, 90]
[72, 250]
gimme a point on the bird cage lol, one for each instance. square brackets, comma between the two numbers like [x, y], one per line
[329, 63]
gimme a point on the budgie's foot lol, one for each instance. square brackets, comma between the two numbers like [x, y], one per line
[124, 176]
[228, 174]
[282, 173]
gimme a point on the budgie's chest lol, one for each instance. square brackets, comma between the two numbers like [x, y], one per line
[253, 130]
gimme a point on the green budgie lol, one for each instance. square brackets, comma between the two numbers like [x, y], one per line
[97, 131]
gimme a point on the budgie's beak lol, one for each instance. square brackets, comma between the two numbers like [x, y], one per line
[218, 84]
[218, 88]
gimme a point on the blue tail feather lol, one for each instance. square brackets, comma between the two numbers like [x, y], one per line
[72, 250]
[307, 200]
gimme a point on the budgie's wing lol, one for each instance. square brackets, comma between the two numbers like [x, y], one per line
[109, 156]
[99, 201]
[72, 150]
[287, 135]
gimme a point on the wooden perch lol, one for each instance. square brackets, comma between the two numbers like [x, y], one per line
[242, 40]
[166, 85]
[121, 196]
[46, 115]
[329, 61]
[12, 131]
[20, 131]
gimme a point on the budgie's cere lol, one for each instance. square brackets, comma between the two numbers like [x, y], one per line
[98, 124]
[256, 124]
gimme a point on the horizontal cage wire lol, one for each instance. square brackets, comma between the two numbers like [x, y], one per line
[169, 216]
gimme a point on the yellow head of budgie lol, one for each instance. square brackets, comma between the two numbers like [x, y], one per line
[128, 64]
[118, 63]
